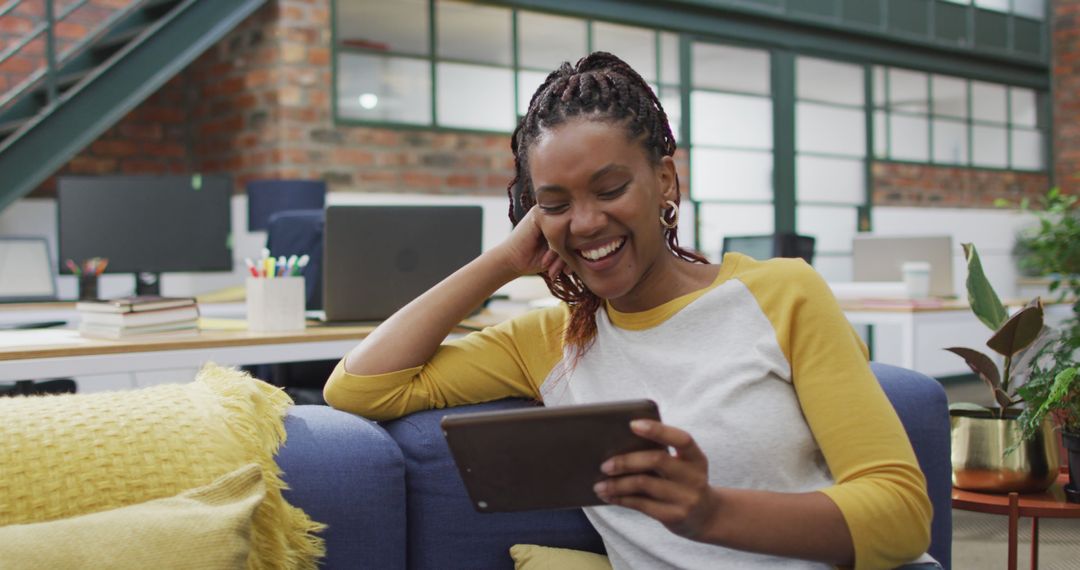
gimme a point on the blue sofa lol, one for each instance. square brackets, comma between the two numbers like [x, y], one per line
[392, 497]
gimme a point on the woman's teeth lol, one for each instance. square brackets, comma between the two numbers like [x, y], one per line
[602, 252]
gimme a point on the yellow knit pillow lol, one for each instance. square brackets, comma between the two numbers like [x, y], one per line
[533, 557]
[207, 528]
[67, 455]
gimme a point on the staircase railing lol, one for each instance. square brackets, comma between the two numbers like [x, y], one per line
[53, 61]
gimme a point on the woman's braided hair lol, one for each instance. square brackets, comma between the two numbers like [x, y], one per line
[599, 87]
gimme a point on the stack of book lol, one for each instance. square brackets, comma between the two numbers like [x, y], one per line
[138, 316]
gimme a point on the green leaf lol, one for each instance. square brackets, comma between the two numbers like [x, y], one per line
[983, 367]
[984, 301]
[1019, 331]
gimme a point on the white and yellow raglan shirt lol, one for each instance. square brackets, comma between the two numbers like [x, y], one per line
[761, 368]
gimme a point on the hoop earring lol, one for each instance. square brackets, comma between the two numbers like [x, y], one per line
[674, 216]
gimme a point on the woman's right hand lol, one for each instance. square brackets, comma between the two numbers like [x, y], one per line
[526, 250]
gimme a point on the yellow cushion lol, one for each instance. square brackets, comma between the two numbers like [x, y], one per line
[67, 455]
[533, 557]
[205, 528]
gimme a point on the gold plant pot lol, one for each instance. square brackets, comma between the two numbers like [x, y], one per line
[980, 461]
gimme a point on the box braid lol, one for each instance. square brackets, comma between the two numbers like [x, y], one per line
[599, 87]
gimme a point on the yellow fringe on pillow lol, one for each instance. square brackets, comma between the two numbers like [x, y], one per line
[276, 521]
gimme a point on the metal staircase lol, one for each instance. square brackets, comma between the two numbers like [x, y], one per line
[78, 95]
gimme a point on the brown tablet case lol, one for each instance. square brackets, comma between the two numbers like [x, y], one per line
[542, 458]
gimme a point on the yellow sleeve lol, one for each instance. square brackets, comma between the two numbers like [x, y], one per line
[506, 360]
[878, 487]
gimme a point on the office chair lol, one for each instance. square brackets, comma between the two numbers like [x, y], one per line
[299, 232]
[268, 197]
[784, 244]
[34, 387]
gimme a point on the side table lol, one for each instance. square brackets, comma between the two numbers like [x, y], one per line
[1048, 504]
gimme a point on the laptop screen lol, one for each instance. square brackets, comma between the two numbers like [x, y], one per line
[26, 271]
[378, 258]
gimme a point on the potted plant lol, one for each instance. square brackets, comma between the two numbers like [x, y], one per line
[990, 450]
[1053, 386]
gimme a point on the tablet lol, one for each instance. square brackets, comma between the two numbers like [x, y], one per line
[542, 458]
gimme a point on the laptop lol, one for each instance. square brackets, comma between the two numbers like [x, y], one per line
[378, 258]
[879, 258]
[26, 270]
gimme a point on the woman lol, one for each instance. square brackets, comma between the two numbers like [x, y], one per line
[785, 448]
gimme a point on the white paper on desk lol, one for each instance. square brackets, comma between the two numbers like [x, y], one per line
[44, 337]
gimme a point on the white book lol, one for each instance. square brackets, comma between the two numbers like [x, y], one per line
[183, 328]
[142, 318]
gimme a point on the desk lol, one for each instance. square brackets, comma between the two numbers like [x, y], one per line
[913, 335]
[78, 356]
[1048, 504]
[63, 352]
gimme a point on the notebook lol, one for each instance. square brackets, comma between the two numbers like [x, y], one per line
[378, 258]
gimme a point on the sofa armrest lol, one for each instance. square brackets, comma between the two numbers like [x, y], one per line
[346, 472]
[923, 408]
[445, 531]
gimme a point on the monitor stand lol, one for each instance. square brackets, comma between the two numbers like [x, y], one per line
[147, 283]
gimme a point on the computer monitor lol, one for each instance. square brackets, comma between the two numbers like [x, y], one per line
[771, 245]
[146, 225]
[880, 258]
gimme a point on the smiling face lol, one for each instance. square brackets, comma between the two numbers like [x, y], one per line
[599, 198]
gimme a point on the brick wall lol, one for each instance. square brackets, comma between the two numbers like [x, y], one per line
[903, 184]
[1066, 68]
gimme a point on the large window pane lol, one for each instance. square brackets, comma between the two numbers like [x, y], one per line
[826, 129]
[907, 91]
[731, 120]
[545, 41]
[997, 5]
[719, 220]
[833, 227]
[879, 86]
[1029, 8]
[400, 26]
[636, 46]
[909, 138]
[1027, 149]
[988, 102]
[989, 146]
[671, 99]
[473, 32]
[461, 104]
[881, 133]
[950, 96]
[731, 174]
[1024, 111]
[528, 83]
[670, 70]
[822, 179]
[730, 68]
[829, 81]
[381, 88]
[950, 142]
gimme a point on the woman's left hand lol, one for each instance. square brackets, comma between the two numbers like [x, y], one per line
[671, 488]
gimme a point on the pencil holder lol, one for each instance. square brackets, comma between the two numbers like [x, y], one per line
[88, 287]
[275, 304]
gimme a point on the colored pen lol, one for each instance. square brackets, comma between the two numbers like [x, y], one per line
[73, 267]
[251, 267]
[104, 263]
[302, 263]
